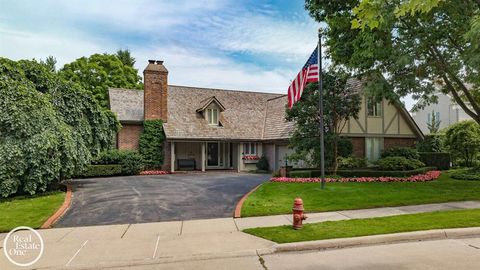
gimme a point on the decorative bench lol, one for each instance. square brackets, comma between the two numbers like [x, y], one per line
[186, 164]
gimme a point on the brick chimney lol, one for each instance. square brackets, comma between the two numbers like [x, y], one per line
[155, 88]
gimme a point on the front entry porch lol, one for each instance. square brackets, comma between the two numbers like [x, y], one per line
[202, 156]
[211, 155]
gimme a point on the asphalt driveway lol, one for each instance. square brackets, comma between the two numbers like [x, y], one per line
[139, 199]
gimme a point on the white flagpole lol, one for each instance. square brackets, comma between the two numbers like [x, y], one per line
[320, 105]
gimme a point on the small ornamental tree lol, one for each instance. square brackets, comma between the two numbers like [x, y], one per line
[434, 124]
[151, 143]
[340, 104]
[463, 140]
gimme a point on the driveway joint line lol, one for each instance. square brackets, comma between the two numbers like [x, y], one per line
[339, 212]
[181, 228]
[76, 253]
[234, 222]
[136, 191]
[156, 247]
[123, 234]
[65, 235]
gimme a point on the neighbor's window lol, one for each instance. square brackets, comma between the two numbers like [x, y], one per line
[212, 116]
[374, 107]
[249, 148]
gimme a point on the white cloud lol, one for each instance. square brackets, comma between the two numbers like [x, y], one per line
[196, 68]
[18, 45]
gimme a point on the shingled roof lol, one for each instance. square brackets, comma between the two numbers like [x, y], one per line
[246, 115]
[127, 104]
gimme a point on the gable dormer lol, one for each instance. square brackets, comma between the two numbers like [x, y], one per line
[211, 108]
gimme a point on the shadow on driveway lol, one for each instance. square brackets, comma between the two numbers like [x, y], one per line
[139, 199]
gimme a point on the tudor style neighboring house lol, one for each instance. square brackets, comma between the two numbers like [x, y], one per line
[208, 129]
[380, 125]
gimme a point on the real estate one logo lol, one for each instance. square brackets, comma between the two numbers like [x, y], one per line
[23, 246]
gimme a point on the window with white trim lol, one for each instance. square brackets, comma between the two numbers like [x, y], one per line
[250, 148]
[212, 117]
[374, 107]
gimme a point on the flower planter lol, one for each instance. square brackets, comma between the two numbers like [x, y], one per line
[250, 161]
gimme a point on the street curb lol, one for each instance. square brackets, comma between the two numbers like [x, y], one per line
[298, 246]
[63, 208]
[238, 207]
[378, 239]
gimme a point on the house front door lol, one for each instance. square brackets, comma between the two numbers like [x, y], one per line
[213, 150]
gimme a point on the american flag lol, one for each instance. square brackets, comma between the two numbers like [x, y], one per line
[308, 74]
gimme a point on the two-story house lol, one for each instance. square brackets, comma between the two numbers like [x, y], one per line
[208, 129]
[446, 110]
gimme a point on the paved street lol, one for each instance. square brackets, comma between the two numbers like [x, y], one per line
[139, 199]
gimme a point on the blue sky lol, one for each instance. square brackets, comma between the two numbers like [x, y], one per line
[248, 45]
[251, 45]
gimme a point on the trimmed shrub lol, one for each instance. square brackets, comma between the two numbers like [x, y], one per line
[351, 162]
[300, 174]
[406, 152]
[468, 174]
[131, 161]
[358, 173]
[440, 160]
[102, 170]
[399, 164]
[151, 143]
[262, 164]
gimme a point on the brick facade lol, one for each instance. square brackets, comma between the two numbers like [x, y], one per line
[398, 142]
[155, 91]
[167, 156]
[358, 147]
[128, 136]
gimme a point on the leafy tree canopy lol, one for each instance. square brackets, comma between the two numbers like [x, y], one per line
[49, 127]
[99, 72]
[340, 103]
[420, 46]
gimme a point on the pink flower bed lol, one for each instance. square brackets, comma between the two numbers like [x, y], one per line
[154, 172]
[429, 176]
[250, 157]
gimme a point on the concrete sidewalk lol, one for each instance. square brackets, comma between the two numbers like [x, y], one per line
[215, 240]
[278, 220]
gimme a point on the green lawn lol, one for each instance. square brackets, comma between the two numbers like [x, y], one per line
[277, 198]
[28, 211]
[371, 226]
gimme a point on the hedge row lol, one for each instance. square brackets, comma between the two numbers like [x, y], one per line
[441, 160]
[360, 173]
[102, 170]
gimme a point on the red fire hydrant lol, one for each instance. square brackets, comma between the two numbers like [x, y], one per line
[298, 216]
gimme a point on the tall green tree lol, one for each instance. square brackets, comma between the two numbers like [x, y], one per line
[49, 127]
[126, 57]
[341, 102]
[418, 45]
[99, 72]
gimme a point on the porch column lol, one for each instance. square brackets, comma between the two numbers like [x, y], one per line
[172, 157]
[203, 156]
[239, 156]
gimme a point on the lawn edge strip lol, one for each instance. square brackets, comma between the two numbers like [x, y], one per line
[238, 207]
[381, 239]
[60, 211]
